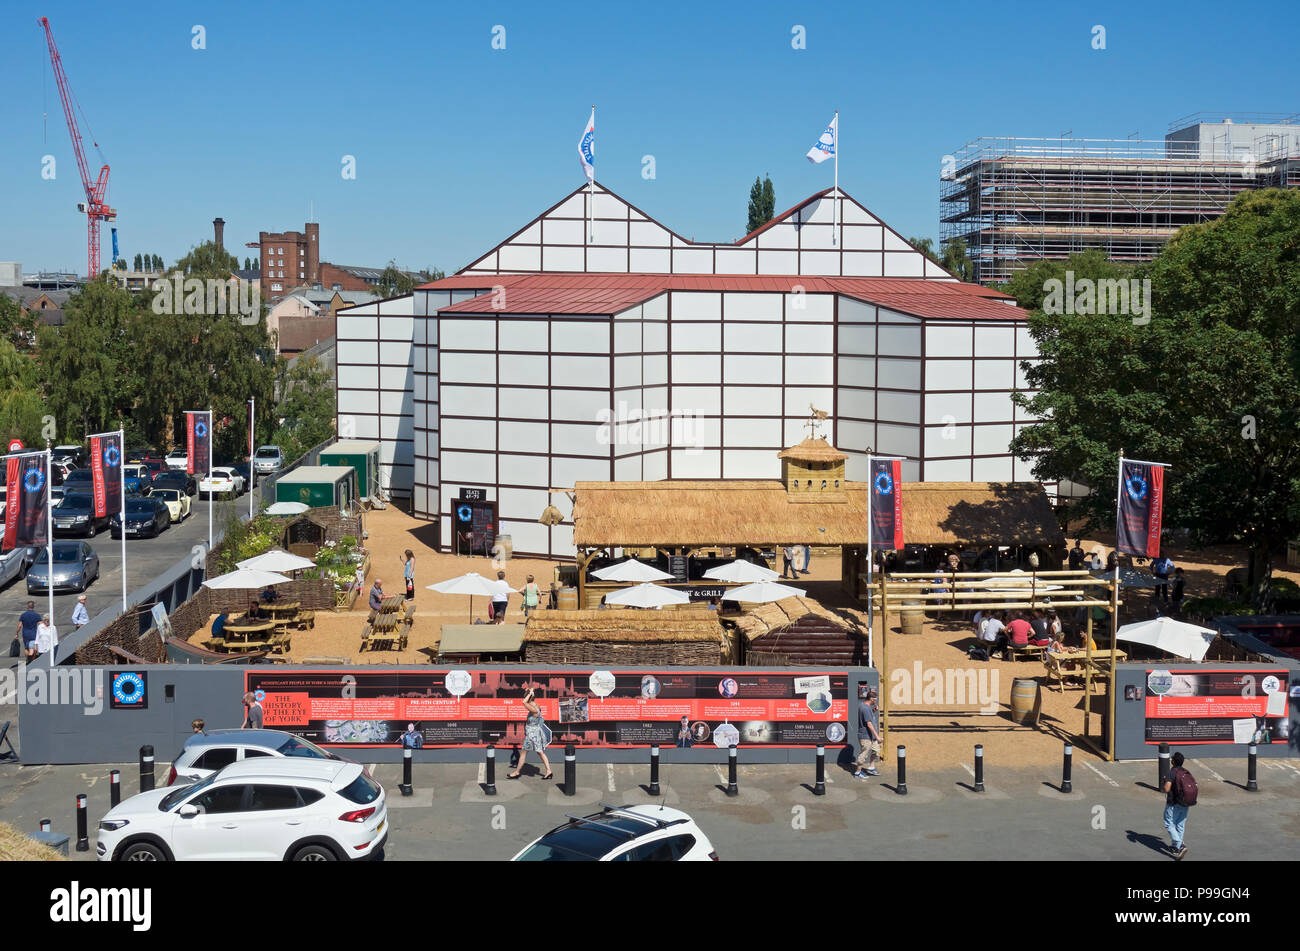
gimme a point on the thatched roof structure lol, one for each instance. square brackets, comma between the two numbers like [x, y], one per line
[624, 627]
[761, 512]
[813, 450]
[780, 615]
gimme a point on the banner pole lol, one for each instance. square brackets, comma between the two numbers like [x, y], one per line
[211, 494]
[870, 564]
[1114, 619]
[835, 229]
[49, 531]
[252, 422]
[121, 501]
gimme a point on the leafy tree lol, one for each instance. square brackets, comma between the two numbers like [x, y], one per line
[1210, 386]
[762, 204]
[21, 407]
[305, 413]
[17, 324]
[208, 260]
[1029, 286]
[157, 263]
[248, 265]
[137, 262]
[925, 246]
[954, 260]
[257, 263]
[393, 282]
[433, 274]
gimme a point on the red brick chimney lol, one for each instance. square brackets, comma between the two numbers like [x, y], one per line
[219, 232]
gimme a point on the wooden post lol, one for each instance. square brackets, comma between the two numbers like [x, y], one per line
[884, 663]
[1087, 677]
[1114, 679]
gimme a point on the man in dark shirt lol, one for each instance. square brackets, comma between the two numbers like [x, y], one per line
[1076, 555]
[1038, 627]
[868, 736]
[253, 714]
[1177, 595]
[377, 595]
[27, 623]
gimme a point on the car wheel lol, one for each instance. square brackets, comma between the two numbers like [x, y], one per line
[315, 853]
[142, 852]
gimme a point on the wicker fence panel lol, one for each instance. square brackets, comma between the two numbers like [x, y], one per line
[689, 654]
[314, 594]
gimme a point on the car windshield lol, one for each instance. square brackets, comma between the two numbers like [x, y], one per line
[265, 453]
[294, 746]
[170, 495]
[139, 507]
[169, 801]
[78, 475]
[76, 501]
[67, 554]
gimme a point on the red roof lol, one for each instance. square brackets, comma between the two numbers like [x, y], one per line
[586, 293]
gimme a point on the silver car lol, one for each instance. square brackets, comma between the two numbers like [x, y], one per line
[268, 459]
[205, 753]
[13, 565]
[75, 566]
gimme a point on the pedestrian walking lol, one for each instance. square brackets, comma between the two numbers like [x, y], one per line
[1177, 596]
[408, 572]
[1077, 557]
[1180, 795]
[28, 622]
[252, 712]
[532, 596]
[198, 726]
[534, 736]
[80, 616]
[807, 559]
[47, 638]
[501, 600]
[868, 735]
[787, 562]
[1160, 568]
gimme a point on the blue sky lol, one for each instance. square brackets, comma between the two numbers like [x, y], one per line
[457, 144]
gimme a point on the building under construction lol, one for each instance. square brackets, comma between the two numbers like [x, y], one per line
[1014, 201]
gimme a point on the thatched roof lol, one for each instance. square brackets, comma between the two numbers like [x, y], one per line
[813, 450]
[624, 626]
[761, 512]
[779, 615]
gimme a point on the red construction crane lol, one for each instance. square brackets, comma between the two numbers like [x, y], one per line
[95, 207]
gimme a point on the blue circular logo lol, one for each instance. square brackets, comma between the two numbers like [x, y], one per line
[200, 429]
[463, 513]
[586, 147]
[34, 480]
[112, 456]
[884, 484]
[259, 695]
[1136, 487]
[128, 688]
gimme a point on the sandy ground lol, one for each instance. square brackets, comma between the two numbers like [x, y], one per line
[936, 735]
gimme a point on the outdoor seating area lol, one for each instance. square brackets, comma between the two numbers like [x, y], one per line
[389, 628]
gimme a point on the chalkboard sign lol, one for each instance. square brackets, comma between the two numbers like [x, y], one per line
[677, 565]
[473, 495]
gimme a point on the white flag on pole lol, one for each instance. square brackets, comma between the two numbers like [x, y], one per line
[587, 147]
[825, 147]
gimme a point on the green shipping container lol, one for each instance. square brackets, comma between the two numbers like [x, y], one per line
[318, 486]
[360, 455]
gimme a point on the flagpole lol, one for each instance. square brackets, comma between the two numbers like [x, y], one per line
[835, 230]
[870, 564]
[591, 183]
[211, 494]
[49, 528]
[121, 501]
[252, 422]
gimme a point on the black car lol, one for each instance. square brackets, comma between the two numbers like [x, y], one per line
[75, 515]
[78, 480]
[245, 470]
[175, 479]
[144, 517]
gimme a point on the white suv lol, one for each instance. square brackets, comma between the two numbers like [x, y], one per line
[623, 834]
[266, 809]
[205, 753]
[177, 459]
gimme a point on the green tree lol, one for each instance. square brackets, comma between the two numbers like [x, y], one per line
[1210, 385]
[433, 274]
[17, 324]
[208, 260]
[1029, 286]
[21, 407]
[248, 265]
[304, 414]
[954, 260]
[157, 263]
[762, 204]
[925, 246]
[137, 262]
[257, 263]
[393, 282]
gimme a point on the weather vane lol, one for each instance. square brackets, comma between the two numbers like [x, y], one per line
[815, 419]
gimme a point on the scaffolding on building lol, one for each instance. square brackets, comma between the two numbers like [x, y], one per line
[1013, 201]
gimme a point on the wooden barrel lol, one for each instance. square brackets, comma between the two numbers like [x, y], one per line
[1025, 699]
[913, 615]
[567, 599]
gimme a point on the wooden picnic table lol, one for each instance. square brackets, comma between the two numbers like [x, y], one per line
[391, 604]
[276, 608]
[244, 628]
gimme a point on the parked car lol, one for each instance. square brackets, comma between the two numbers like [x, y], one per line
[137, 479]
[177, 502]
[145, 517]
[268, 459]
[174, 479]
[267, 809]
[156, 467]
[79, 480]
[56, 496]
[223, 481]
[245, 472]
[623, 834]
[205, 753]
[75, 566]
[70, 453]
[13, 565]
[75, 515]
[178, 459]
[59, 470]
[143, 454]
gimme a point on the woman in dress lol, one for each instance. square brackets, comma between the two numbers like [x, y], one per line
[533, 738]
[408, 572]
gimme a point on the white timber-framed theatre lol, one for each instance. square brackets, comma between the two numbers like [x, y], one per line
[638, 355]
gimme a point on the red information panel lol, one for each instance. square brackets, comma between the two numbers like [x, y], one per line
[451, 707]
[1217, 706]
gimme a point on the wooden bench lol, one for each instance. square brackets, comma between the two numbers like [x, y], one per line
[305, 620]
[1028, 652]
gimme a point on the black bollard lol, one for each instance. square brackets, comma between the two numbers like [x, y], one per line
[490, 773]
[732, 788]
[1252, 783]
[1065, 769]
[46, 825]
[1163, 768]
[114, 787]
[570, 770]
[654, 770]
[146, 768]
[902, 771]
[405, 785]
[819, 787]
[83, 839]
[979, 767]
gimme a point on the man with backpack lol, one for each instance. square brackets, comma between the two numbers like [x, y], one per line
[1160, 568]
[1180, 793]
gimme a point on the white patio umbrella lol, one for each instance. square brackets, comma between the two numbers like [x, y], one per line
[741, 572]
[277, 559]
[762, 592]
[1173, 637]
[287, 508]
[245, 579]
[631, 570]
[647, 596]
[470, 584]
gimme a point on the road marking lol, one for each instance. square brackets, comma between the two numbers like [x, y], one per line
[482, 773]
[1290, 767]
[1101, 774]
[718, 769]
[610, 768]
[966, 766]
[1208, 770]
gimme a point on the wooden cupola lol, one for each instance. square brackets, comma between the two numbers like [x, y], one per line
[813, 471]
